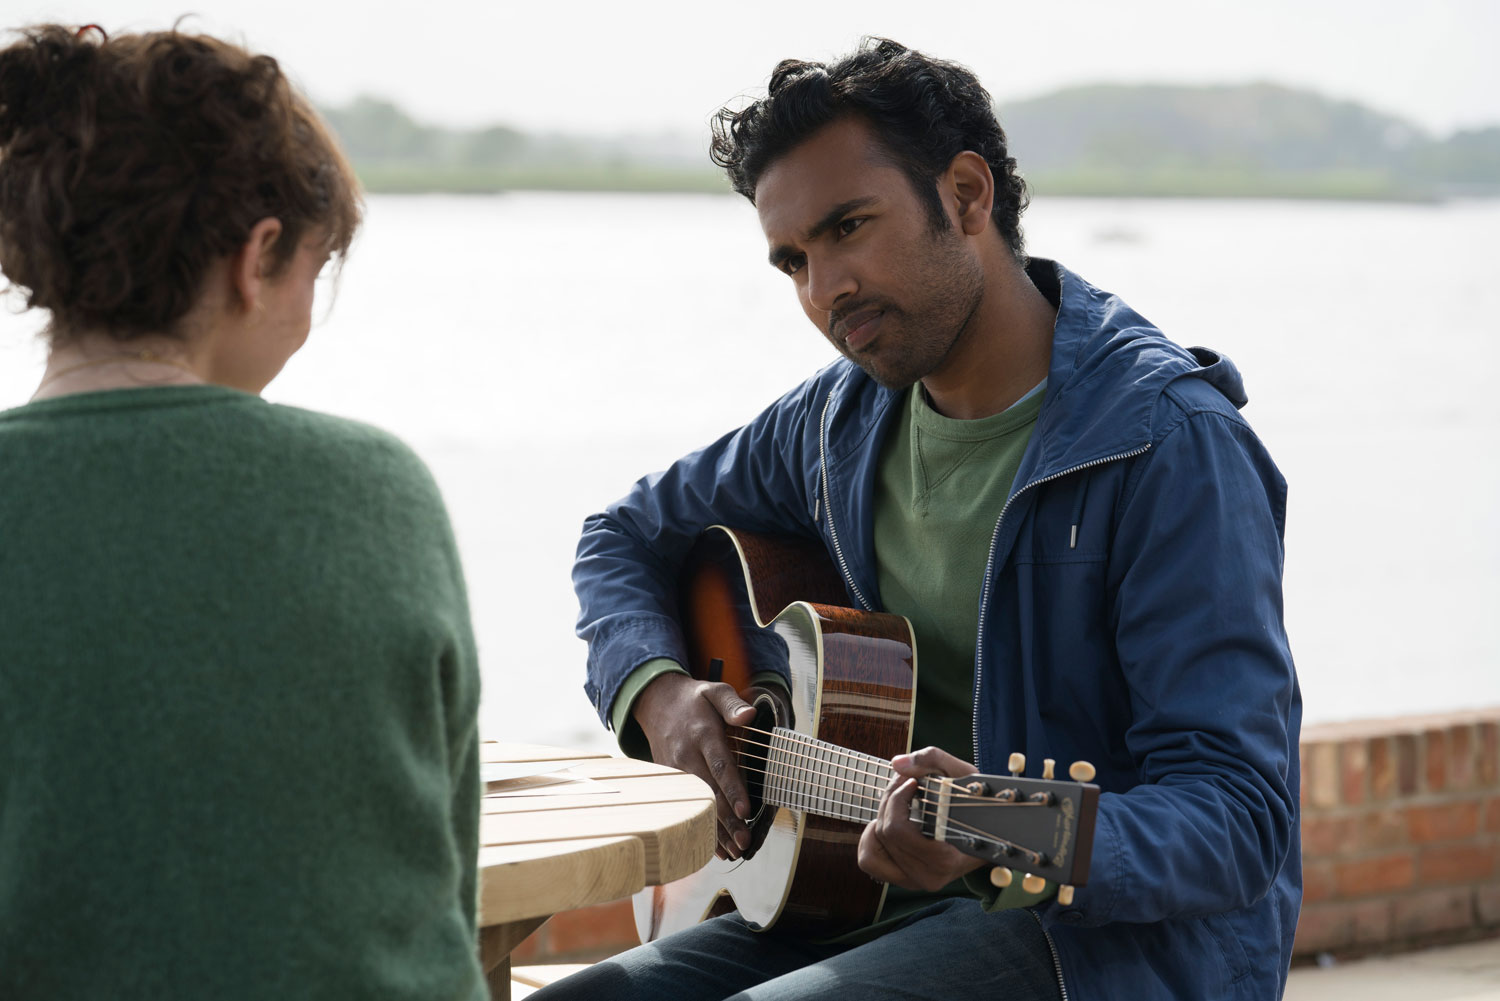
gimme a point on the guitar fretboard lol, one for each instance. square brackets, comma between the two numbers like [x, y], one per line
[1017, 824]
[804, 773]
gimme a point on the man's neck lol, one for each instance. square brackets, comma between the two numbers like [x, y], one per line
[1003, 352]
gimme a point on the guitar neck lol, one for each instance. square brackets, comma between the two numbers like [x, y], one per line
[989, 818]
[814, 776]
[804, 773]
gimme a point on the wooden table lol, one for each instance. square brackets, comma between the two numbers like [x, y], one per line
[615, 826]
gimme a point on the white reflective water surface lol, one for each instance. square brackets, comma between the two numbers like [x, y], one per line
[541, 351]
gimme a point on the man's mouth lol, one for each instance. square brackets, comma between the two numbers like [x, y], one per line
[858, 329]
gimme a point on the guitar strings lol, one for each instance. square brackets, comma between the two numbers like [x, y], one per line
[866, 800]
[858, 764]
[792, 736]
[978, 834]
[849, 783]
[854, 767]
[848, 788]
[854, 761]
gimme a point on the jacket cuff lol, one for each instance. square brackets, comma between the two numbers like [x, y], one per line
[628, 732]
[618, 647]
[1094, 904]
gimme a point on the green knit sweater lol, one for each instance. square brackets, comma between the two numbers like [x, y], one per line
[238, 688]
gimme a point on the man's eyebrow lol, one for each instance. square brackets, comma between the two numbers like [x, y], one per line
[830, 219]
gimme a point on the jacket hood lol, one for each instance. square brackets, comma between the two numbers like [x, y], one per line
[1109, 368]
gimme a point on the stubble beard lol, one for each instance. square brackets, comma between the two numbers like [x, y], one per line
[915, 343]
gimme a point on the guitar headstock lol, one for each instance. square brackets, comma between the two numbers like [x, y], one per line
[1041, 827]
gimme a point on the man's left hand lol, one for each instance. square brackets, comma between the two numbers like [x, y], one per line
[893, 848]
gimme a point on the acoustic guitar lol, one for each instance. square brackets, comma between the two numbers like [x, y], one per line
[817, 757]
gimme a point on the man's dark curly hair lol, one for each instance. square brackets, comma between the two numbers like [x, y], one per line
[925, 112]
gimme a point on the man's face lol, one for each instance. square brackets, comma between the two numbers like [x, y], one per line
[892, 294]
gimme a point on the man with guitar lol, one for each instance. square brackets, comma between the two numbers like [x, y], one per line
[1068, 507]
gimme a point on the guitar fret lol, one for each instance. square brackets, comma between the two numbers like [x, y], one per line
[812, 775]
[832, 794]
[820, 782]
[844, 788]
[777, 761]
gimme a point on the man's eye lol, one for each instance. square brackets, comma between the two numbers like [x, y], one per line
[793, 264]
[848, 226]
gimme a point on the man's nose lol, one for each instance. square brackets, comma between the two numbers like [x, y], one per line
[829, 281]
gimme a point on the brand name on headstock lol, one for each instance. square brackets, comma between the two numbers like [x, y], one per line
[1062, 839]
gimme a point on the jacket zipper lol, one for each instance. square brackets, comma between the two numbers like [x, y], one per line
[984, 604]
[989, 566]
[1052, 947]
[838, 550]
[984, 598]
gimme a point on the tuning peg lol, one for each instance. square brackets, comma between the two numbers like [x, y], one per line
[1065, 895]
[1082, 771]
[1017, 763]
[1001, 876]
[1033, 884]
[1047, 765]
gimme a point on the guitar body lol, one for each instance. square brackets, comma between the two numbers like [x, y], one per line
[752, 604]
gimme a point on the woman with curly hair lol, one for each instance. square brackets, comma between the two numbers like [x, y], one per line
[238, 685]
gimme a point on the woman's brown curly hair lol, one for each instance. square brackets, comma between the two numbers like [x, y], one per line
[129, 165]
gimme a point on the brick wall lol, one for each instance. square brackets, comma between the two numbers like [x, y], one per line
[586, 935]
[1400, 832]
[1400, 843]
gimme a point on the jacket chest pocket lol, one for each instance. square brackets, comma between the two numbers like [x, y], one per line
[1061, 620]
[1070, 521]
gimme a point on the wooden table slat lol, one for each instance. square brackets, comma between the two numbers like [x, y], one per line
[604, 792]
[494, 751]
[678, 837]
[541, 854]
[534, 880]
[619, 768]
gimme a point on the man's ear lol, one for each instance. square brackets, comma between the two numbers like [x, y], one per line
[970, 188]
[252, 265]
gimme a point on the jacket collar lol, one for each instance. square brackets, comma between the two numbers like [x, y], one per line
[1109, 367]
[1108, 370]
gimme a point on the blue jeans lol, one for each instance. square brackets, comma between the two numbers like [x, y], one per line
[951, 951]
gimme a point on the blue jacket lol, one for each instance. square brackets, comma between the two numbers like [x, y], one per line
[1131, 616]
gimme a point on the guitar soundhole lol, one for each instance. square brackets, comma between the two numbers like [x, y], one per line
[754, 749]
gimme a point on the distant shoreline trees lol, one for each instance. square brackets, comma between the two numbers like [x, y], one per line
[1247, 140]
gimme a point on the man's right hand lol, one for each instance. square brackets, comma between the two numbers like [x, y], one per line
[684, 720]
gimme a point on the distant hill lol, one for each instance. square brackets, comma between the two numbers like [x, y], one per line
[1258, 139]
[394, 152]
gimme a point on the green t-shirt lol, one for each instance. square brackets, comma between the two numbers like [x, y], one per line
[939, 490]
[238, 695]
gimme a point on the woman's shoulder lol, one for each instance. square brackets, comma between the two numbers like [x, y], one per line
[323, 431]
[351, 453]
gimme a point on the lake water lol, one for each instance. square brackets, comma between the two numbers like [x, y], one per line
[542, 351]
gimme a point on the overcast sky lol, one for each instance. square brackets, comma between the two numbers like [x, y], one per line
[665, 66]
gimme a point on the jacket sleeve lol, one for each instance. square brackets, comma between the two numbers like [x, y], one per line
[1197, 564]
[756, 478]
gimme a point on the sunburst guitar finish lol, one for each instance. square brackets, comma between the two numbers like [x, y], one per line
[817, 757]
